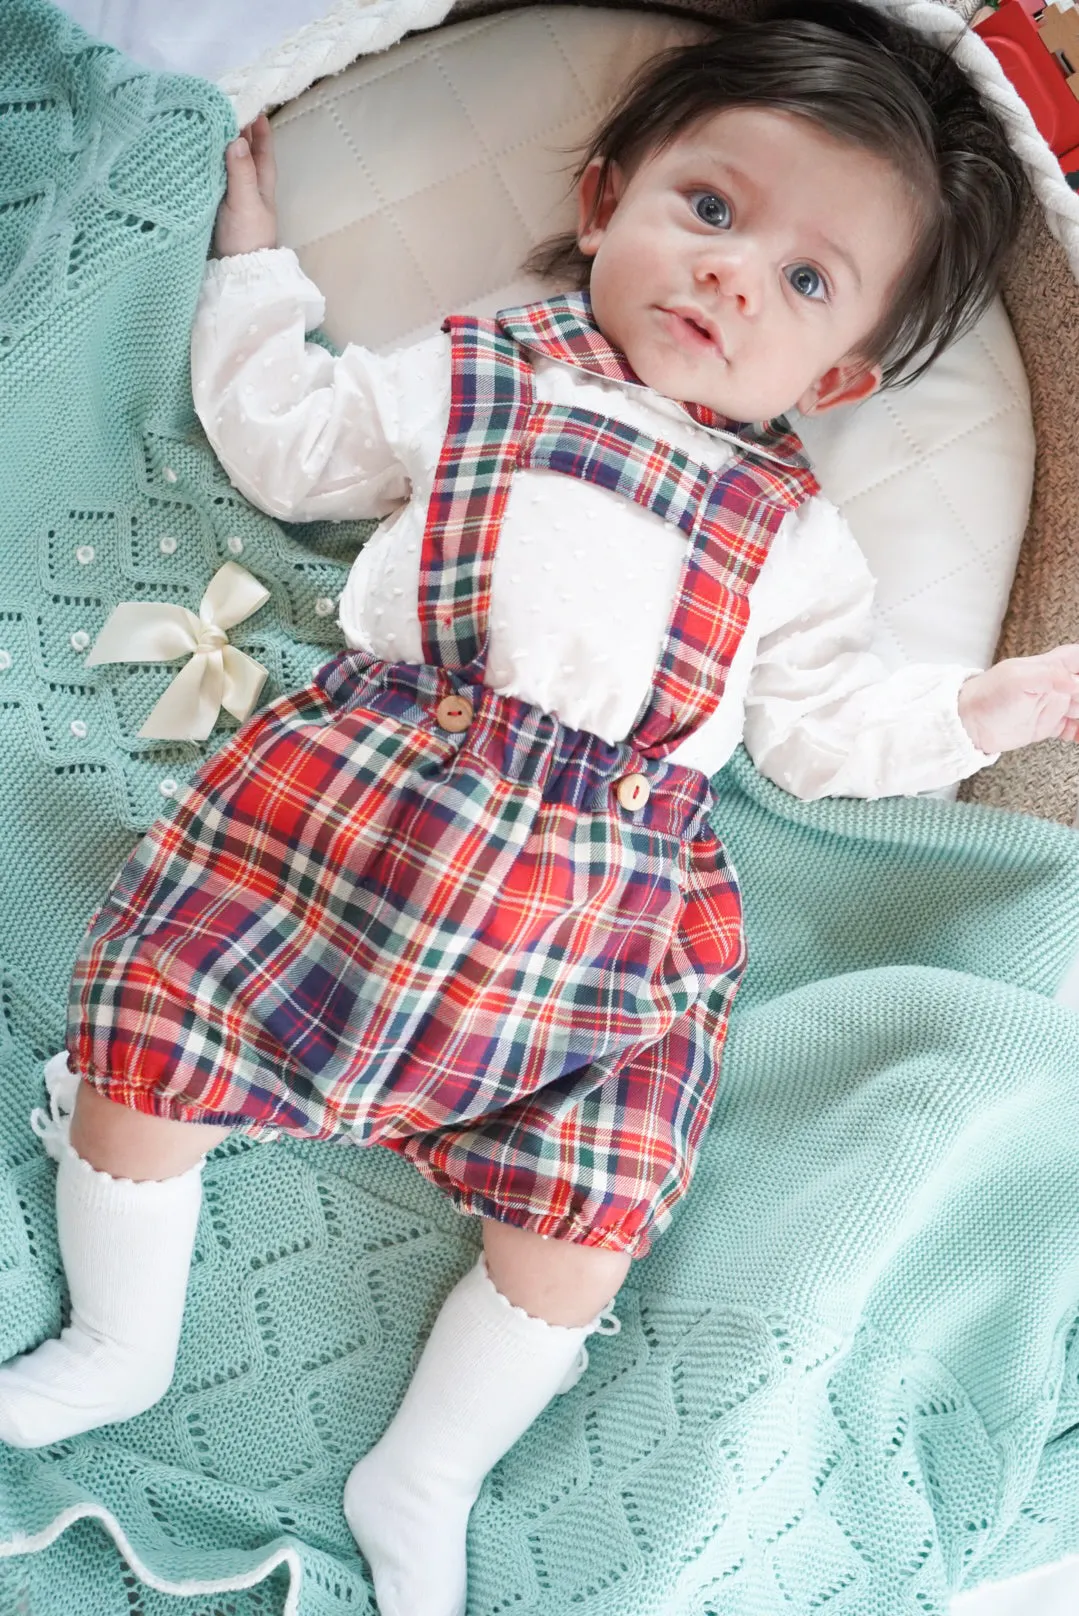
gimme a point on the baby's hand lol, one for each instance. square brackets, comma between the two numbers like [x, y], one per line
[1023, 700]
[247, 218]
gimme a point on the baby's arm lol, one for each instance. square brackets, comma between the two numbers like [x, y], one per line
[824, 716]
[302, 434]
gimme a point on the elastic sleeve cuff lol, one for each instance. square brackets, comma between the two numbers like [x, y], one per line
[270, 265]
[265, 279]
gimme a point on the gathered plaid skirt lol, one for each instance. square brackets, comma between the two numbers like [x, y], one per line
[460, 946]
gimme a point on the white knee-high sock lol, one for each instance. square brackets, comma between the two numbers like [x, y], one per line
[126, 1248]
[487, 1371]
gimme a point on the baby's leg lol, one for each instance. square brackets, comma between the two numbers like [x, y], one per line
[128, 1192]
[509, 1337]
[132, 1144]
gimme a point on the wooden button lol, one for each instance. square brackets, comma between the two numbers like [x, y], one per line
[632, 791]
[454, 713]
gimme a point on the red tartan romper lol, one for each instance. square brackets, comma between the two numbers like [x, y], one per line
[404, 908]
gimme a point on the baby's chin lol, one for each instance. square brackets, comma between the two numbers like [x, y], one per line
[752, 409]
[738, 407]
[723, 395]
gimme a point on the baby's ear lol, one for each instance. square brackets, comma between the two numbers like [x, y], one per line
[598, 191]
[849, 382]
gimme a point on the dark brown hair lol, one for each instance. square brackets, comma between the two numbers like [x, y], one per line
[867, 79]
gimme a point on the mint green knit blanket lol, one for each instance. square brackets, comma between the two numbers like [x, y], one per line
[847, 1379]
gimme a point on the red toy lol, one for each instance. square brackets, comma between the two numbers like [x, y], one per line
[1038, 48]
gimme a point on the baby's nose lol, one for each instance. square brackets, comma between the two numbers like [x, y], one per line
[735, 273]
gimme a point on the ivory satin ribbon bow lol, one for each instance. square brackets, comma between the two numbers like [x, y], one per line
[218, 675]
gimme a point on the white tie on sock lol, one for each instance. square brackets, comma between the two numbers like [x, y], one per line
[126, 1248]
[487, 1371]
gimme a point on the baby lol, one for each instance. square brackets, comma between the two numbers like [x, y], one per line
[463, 896]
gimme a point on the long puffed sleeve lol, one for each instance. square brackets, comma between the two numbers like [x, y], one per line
[824, 716]
[303, 434]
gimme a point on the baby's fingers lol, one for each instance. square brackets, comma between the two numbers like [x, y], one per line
[1062, 694]
[1055, 671]
[240, 165]
[1066, 656]
[245, 220]
[260, 136]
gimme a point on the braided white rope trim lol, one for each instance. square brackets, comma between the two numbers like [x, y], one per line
[349, 29]
[1060, 202]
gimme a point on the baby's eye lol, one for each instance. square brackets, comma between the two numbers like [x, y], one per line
[807, 281]
[711, 208]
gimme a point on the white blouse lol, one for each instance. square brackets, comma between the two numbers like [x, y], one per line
[583, 581]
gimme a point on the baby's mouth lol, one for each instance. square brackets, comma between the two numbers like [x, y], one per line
[692, 330]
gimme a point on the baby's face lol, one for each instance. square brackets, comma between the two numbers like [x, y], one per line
[741, 266]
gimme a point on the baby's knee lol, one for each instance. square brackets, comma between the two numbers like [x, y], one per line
[116, 1139]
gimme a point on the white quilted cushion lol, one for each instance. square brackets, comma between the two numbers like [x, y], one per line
[414, 184]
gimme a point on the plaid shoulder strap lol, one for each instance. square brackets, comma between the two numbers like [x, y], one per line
[490, 399]
[741, 512]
